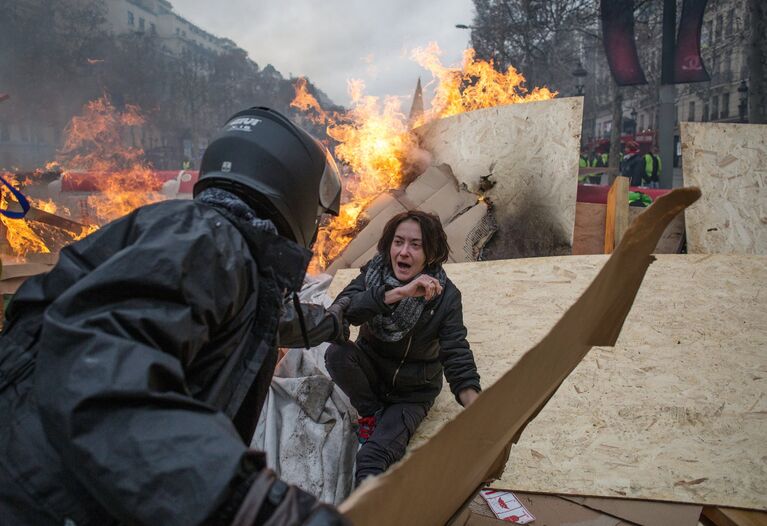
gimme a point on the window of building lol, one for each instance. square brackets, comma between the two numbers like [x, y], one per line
[725, 105]
[691, 111]
[152, 28]
[641, 122]
[178, 31]
[715, 107]
[5, 132]
[704, 117]
[710, 32]
[131, 19]
[141, 24]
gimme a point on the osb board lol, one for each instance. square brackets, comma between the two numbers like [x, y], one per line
[677, 411]
[589, 233]
[728, 162]
[531, 150]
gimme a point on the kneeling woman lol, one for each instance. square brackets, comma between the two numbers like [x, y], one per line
[412, 330]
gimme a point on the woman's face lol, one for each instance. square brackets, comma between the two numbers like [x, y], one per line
[406, 251]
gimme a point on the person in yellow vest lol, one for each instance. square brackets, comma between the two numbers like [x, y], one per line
[583, 162]
[598, 160]
[652, 168]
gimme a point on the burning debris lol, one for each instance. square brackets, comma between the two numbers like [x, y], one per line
[114, 179]
[466, 216]
[95, 149]
[377, 143]
[103, 179]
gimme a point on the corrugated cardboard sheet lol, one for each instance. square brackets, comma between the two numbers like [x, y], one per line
[466, 219]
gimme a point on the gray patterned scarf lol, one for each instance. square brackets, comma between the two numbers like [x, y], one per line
[393, 328]
[236, 206]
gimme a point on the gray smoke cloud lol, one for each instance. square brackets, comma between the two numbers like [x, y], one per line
[336, 40]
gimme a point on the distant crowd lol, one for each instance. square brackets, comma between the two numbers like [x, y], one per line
[641, 169]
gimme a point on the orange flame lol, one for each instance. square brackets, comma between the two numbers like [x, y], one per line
[474, 86]
[95, 148]
[375, 141]
[19, 235]
[96, 143]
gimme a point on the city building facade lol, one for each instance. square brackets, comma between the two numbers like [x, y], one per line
[724, 44]
[28, 142]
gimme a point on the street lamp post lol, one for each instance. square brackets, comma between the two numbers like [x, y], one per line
[580, 74]
[743, 103]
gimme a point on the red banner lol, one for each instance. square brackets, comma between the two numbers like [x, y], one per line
[688, 63]
[620, 46]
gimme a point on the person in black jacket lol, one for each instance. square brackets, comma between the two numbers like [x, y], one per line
[633, 165]
[411, 331]
[133, 373]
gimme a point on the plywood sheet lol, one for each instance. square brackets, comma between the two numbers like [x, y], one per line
[589, 235]
[728, 162]
[617, 216]
[531, 150]
[676, 411]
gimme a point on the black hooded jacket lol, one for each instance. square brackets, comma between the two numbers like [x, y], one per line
[410, 370]
[132, 374]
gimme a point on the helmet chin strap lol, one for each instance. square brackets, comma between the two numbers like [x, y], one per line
[301, 321]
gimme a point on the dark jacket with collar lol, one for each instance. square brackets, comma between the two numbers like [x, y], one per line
[410, 370]
[132, 374]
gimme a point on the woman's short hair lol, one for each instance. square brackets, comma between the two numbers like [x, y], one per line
[434, 239]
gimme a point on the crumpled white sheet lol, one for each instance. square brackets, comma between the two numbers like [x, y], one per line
[305, 426]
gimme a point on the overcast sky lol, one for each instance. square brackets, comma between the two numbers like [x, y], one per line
[331, 41]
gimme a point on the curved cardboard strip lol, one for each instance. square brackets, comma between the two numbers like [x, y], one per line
[430, 485]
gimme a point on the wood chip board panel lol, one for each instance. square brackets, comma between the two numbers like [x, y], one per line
[676, 411]
[531, 150]
[728, 162]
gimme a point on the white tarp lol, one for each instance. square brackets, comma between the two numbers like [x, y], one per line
[306, 423]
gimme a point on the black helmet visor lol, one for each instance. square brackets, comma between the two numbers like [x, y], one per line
[330, 186]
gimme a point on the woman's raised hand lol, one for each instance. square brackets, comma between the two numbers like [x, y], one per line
[424, 285]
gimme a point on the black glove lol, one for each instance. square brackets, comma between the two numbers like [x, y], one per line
[336, 311]
[272, 502]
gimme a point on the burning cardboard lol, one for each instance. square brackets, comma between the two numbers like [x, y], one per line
[464, 215]
[377, 145]
[521, 158]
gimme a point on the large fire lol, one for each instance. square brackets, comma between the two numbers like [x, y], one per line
[375, 140]
[95, 145]
[94, 150]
